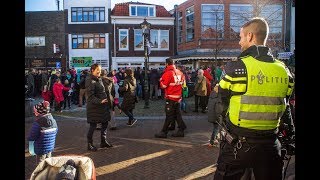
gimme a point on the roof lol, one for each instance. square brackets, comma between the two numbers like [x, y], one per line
[122, 9]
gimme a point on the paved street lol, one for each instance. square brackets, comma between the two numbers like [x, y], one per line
[136, 153]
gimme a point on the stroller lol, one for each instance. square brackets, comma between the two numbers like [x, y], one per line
[51, 167]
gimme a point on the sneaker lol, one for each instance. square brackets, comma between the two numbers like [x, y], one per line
[105, 145]
[132, 122]
[91, 147]
[213, 143]
[113, 128]
[171, 128]
[179, 133]
[161, 135]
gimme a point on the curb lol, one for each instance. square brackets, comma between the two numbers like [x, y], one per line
[137, 117]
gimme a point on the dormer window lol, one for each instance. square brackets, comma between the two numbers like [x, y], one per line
[142, 10]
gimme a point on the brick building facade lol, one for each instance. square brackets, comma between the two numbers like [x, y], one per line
[207, 30]
[43, 29]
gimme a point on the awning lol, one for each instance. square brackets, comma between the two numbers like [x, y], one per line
[201, 58]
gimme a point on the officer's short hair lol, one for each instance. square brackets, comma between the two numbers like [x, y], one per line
[259, 27]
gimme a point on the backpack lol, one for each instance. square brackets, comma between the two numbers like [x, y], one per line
[215, 108]
[121, 83]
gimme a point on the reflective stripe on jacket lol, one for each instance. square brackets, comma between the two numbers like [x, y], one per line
[263, 103]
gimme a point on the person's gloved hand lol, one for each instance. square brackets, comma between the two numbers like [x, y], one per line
[31, 148]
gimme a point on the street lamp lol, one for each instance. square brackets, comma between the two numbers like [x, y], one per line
[145, 26]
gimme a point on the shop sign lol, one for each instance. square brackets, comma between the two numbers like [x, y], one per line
[35, 41]
[52, 63]
[81, 61]
[37, 63]
[284, 55]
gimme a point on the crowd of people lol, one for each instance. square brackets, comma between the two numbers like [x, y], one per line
[254, 95]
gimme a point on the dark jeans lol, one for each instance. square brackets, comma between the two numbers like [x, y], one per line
[129, 113]
[173, 113]
[57, 106]
[93, 127]
[67, 99]
[202, 102]
[215, 130]
[262, 155]
[183, 104]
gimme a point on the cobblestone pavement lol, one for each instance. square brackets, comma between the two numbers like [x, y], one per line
[136, 153]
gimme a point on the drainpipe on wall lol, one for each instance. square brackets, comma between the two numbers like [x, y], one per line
[114, 41]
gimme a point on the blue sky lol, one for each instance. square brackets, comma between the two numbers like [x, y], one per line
[50, 5]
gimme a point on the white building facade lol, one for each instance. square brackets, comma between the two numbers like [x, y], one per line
[128, 41]
[88, 27]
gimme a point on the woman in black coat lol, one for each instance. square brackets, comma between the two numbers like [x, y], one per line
[97, 107]
[129, 97]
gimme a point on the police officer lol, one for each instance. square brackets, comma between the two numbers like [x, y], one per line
[256, 87]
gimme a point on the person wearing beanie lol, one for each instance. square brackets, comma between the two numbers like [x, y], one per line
[43, 132]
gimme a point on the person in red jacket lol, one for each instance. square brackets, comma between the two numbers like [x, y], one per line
[172, 81]
[207, 74]
[58, 88]
[46, 94]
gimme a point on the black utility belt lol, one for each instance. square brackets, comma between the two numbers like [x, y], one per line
[171, 101]
[232, 139]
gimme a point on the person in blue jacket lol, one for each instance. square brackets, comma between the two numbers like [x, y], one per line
[42, 135]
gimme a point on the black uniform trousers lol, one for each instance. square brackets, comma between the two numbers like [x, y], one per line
[263, 155]
[173, 113]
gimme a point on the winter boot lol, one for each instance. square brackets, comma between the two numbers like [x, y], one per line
[91, 147]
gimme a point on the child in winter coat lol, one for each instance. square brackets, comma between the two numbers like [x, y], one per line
[42, 135]
[46, 94]
[58, 89]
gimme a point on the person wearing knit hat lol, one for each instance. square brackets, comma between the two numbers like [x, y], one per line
[67, 171]
[41, 108]
[43, 132]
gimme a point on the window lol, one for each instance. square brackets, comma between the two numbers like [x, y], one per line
[88, 41]
[212, 21]
[190, 23]
[180, 27]
[88, 14]
[123, 39]
[138, 39]
[239, 14]
[273, 15]
[159, 39]
[142, 10]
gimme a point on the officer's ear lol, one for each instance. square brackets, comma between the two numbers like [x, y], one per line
[250, 36]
